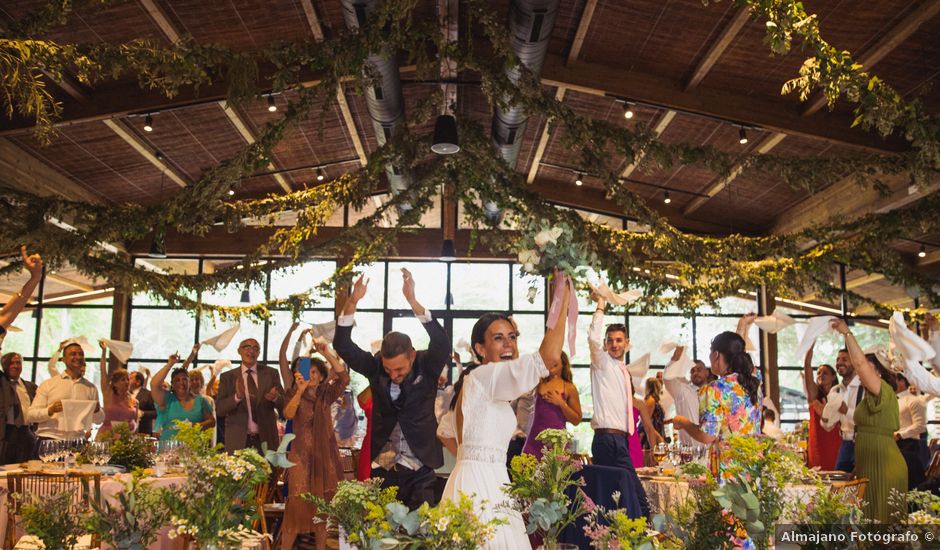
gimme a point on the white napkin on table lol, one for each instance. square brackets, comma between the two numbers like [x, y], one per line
[76, 415]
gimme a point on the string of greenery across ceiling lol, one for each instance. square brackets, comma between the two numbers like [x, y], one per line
[700, 270]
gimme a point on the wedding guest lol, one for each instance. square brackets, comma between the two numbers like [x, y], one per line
[404, 447]
[317, 467]
[912, 410]
[285, 366]
[345, 420]
[556, 403]
[47, 407]
[840, 410]
[178, 403]
[769, 425]
[484, 422]
[147, 411]
[250, 398]
[654, 392]
[11, 310]
[823, 445]
[685, 391]
[119, 406]
[876, 421]
[730, 405]
[16, 396]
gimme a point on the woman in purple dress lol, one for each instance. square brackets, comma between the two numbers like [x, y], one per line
[556, 402]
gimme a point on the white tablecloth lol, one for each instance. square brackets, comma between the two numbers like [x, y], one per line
[110, 486]
[665, 493]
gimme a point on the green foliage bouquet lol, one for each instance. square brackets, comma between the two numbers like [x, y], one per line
[544, 247]
[216, 504]
[129, 449]
[539, 488]
[614, 529]
[51, 519]
[374, 519]
[134, 521]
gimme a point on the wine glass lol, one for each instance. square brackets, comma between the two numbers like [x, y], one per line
[47, 450]
[104, 452]
[659, 452]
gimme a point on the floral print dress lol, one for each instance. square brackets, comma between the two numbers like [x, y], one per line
[725, 409]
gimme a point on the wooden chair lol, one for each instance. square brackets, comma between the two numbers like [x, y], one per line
[350, 460]
[853, 492]
[85, 489]
[934, 469]
[270, 504]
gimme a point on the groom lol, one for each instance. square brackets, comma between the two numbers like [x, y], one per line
[405, 449]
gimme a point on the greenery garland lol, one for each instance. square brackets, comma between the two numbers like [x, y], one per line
[703, 269]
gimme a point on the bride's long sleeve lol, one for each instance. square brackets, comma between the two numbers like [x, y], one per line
[507, 380]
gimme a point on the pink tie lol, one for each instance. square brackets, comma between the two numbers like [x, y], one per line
[626, 377]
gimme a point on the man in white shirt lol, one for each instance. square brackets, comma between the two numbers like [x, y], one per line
[46, 410]
[684, 392]
[912, 416]
[840, 407]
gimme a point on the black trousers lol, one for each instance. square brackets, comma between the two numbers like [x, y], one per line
[613, 450]
[515, 449]
[912, 452]
[19, 445]
[415, 487]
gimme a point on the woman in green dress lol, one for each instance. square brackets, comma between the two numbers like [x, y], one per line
[876, 419]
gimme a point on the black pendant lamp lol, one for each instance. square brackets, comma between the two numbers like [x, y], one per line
[445, 136]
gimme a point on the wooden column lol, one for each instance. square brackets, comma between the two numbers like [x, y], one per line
[766, 304]
[120, 324]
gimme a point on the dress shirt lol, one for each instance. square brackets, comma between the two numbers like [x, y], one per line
[685, 395]
[839, 394]
[934, 341]
[252, 425]
[396, 450]
[610, 387]
[442, 401]
[57, 389]
[912, 412]
[772, 430]
[23, 395]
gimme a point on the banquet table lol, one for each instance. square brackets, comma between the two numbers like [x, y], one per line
[110, 486]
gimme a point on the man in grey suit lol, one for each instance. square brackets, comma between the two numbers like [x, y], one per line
[250, 398]
[16, 395]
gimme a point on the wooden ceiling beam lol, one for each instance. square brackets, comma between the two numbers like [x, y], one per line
[718, 47]
[845, 200]
[69, 282]
[20, 170]
[932, 257]
[716, 187]
[849, 285]
[587, 15]
[543, 141]
[146, 151]
[866, 309]
[161, 20]
[888, 43]
[249, 137]
[773, 115]
[313, 21]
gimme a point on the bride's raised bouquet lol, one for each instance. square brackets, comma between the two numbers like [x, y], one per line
[372, 518]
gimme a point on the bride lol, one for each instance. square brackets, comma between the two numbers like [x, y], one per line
[485, 421]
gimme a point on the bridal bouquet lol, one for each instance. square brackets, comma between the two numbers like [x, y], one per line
[543, 248]
[545, 490]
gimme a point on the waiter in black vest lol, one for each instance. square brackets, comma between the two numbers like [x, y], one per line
[405, 449]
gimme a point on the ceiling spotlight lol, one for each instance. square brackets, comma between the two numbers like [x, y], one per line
[231, 192]
[742, 136]
[579, 181]
[320, 175]
[627, 110]
[445, 136]
[923, 252]
[271, 105]
[666, 198]
[158, 155]
[148, 123]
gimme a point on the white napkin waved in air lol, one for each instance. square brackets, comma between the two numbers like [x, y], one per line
[76, 415]
[120, 349]
[903, 340]
[775, 322]
[814, 328]
[638, 369]
[376, 346]
[613, 298]
[679, 368]
[326, 331]
[222, 340]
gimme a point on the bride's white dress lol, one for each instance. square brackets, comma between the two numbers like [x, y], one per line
[488, 425]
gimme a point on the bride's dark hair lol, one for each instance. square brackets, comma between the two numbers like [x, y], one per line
[477, 336]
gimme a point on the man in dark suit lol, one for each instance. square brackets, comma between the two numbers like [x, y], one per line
[16, 395]
[404, 446]
[148, 411]
[250, 398]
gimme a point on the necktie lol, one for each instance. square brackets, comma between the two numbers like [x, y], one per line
[629, 383]
[17, 409]
[252, 393]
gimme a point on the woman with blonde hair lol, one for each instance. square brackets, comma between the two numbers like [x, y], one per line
[119, 406]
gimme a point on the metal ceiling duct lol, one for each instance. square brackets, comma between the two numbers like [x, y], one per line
[530, 24]
[384, 99]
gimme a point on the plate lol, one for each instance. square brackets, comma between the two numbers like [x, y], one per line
[111, 469]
